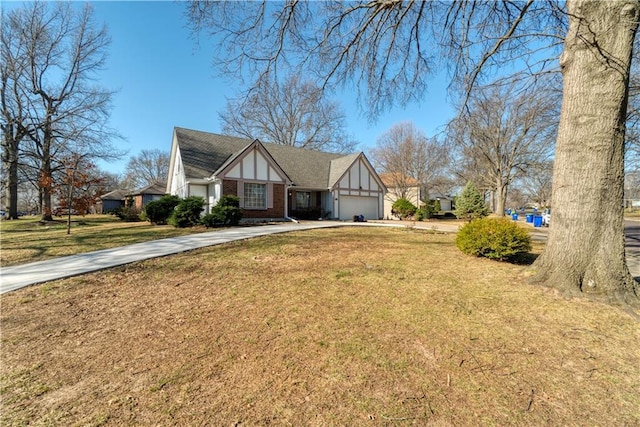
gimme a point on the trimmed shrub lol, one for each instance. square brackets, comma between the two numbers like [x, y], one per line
[470, 204]
[426, 211]
[127, 213]
[226, 212]
[493, 238]
[187, 212]
[403, 209]
[159, 211]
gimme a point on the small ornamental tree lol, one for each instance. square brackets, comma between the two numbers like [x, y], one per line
[78, 187]
[403, 209]
[470, 204]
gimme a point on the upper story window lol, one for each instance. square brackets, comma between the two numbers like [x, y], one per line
[255, 196]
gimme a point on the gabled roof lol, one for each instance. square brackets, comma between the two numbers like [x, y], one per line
[115, 195]
[155, 188]
[255, 144]
[204, 153]
[339, 166]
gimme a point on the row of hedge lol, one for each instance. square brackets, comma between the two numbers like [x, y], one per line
[186, 212]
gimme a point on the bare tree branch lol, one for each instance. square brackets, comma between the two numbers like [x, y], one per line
[294, 113]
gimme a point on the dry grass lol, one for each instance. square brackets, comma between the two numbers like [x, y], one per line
[349, 326]
[27, 240]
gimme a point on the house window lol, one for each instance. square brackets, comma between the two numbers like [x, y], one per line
[255, 196]
[303, 200]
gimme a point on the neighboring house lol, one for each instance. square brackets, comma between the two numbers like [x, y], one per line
[147, 194]
[398, 187]
[446, 202]
[410, 189]
[111, 201]
[273, 181]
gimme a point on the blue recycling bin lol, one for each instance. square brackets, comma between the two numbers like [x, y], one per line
[537, 221]
[529, 218]
[514, 216]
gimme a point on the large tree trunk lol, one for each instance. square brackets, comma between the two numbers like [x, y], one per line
[501, 197]
[46, 174]
[46, 185]
[585, 250]
[10, 160]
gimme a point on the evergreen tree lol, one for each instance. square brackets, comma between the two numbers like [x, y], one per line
[470, 205]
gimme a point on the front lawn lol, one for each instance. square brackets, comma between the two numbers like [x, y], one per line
[347, 326]
[27, 240]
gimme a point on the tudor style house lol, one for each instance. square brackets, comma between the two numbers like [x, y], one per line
[273, 181]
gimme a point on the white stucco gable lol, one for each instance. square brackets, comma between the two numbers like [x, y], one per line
[254, 163]
[358, 190]
[176, 180]
[360, 179]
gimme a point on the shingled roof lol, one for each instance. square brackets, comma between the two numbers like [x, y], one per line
[203, 153]
[155, 189]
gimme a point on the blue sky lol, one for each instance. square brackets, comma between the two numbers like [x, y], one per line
[164, 79]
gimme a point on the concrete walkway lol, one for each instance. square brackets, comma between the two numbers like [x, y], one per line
[20, 276]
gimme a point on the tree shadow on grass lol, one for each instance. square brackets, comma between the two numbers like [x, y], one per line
[524, 259]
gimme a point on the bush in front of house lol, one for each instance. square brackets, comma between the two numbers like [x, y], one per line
[187, 212]
[437, 207]
[470, 204]
[159, 211]
[403, 208]
[493, 238]
[226, 212]
[427, 210]
[127, 213]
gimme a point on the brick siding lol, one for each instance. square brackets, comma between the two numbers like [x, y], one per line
[230, 187]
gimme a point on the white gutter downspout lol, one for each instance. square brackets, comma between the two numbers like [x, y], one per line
[286, 206]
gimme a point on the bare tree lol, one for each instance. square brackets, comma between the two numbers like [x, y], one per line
[13, 101]
[295, 113]
[387, 48]
[409, 158]
[112, 181]
[148, 167]
[28, 197]
[78, 187]
[64, 50]
[536, 185]
[503, 134]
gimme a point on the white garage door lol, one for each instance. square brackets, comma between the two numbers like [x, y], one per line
[356, 205]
